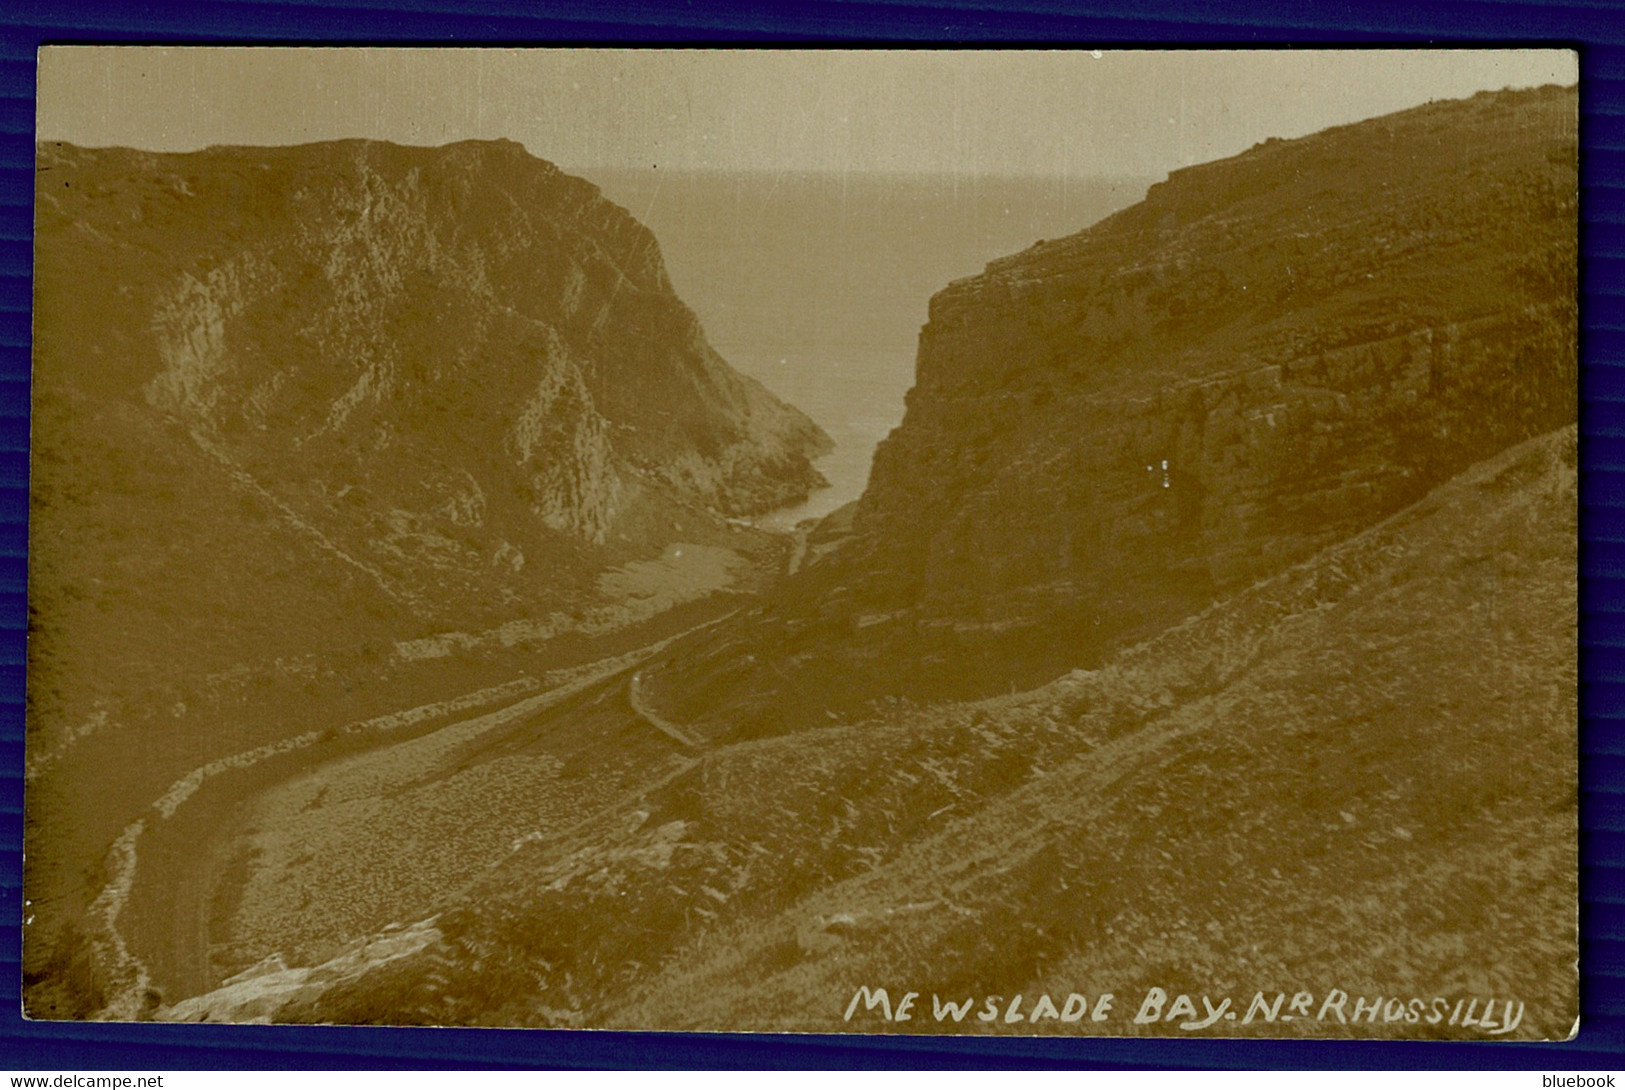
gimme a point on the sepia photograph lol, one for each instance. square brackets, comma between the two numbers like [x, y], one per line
[953, 542]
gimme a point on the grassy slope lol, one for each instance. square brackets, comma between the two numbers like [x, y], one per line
[1359, 774]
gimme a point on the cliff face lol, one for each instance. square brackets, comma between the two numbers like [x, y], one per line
[458, 372]
[1268, 354]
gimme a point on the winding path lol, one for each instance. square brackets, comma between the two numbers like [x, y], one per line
[634, 697]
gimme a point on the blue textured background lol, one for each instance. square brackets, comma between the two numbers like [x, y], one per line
[1598, 28]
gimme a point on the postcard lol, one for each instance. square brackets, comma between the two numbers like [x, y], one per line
[1075, 542]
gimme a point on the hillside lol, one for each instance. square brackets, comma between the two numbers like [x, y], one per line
[452, 372]
[1356, 775]
[310, 420]
[1290, 792]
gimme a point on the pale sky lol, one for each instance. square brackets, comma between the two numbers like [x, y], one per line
[1139, 113]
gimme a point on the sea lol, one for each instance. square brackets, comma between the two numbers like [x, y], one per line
[817, 284]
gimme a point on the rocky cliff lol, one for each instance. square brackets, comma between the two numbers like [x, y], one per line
[1266, 354]
[1269, 353]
